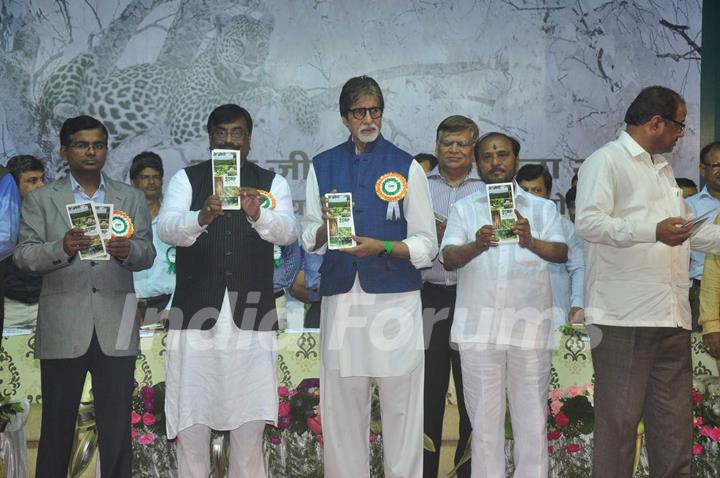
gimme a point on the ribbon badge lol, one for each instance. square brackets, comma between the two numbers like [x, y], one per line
[170, 258]
[121, 224]
[391, 187]
[267, 200]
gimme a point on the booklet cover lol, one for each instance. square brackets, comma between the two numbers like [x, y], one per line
[340, 224]
[103, 212]
[82, 216]
[501, 199]
[226, 177]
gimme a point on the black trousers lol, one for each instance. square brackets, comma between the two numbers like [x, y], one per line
[62, 382]
[440, 358]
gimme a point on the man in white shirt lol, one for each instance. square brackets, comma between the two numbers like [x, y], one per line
[633, 218]
[503, 314]
[371, 317]
[155, 286]
[221, 358]
[566, 279]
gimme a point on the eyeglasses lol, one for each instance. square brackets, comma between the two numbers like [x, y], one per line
[712, 165]
[460, 144]
[84, 146]
[678, 123]
[359, 113]
[237, 134]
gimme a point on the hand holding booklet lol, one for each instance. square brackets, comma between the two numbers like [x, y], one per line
[340, 222]
[501, 200]
[83, 216]
[226, 177]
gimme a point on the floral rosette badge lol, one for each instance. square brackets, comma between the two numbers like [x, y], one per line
[122, 225]
[267, 200]
[391, 188]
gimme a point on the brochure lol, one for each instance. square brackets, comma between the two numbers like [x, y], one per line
[103, 212]
[226, 177]
[82, 216]
[340, 224]
[501, 199]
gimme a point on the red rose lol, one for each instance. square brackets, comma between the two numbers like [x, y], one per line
[697, 449]
[550, 450]
[284, 409]
[561, 420]
[148, 419]
[554, 434]
[572, 448]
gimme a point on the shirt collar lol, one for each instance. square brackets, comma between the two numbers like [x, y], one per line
[77, 188]
[435, 172]
[638, 152]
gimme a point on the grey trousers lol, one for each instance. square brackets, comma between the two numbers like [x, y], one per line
[642, 372]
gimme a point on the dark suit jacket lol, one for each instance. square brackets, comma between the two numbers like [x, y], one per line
[81, 296]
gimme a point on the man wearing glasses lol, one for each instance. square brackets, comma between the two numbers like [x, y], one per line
[371, 318]
[221, 344]
[706, 200]
[451, 180]
[82, 324]
[634, 222]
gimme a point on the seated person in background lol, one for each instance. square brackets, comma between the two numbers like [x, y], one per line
[306, 288]
[566, 279]
[153, 287]
[688, 186]
[570, 203]
[427, 161]
[22, 289]
[286, 260]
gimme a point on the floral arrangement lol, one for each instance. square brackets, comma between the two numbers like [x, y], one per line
[151, 449]
[294, 447]
[706, 426]
[570, 421]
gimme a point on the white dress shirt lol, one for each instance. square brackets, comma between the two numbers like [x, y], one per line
[631, 279]
[503, 295]
[222, 377]
[376, 335]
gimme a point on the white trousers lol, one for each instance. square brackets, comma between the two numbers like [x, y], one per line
[525, 373]
[246, 451]
[345, 413]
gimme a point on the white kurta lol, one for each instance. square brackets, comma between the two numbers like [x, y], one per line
[222, 377]
[376, 335]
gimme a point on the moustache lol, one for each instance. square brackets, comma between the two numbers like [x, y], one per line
[233, 146]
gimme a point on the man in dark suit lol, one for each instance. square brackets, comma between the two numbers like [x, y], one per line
[87, 319]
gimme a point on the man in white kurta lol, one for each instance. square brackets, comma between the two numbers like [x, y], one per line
[222, 377]
[503, 315]
[377, 333]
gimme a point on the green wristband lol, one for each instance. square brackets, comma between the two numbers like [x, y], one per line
[388, 247]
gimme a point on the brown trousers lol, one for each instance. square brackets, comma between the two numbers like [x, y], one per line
[642, 372]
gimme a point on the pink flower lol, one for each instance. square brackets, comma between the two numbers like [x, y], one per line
[147, 392]
[698, 422]
[135, 417]
[146, 439]
[148, 419]
[572, 448]
[561, 420]
[574, 391]
[550, 450]
[696, 397]
[556, 394]
[283, 422]
[314, 425]
[148, 405]
[697, 449]
[133, 433]
[373, 438]
[711, 432]
[275, 440]
[556, 406]
[283, 391]
[284, 409]
[554, 434]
